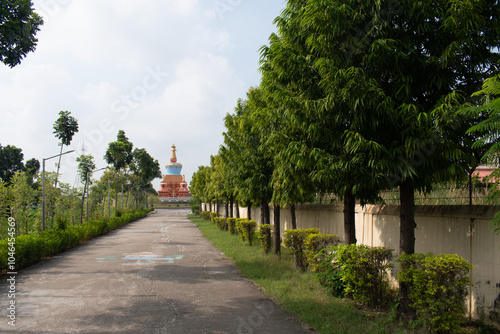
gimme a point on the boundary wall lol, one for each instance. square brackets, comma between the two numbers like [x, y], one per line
[462, 230]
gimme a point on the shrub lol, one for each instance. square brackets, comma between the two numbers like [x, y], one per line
[205, 215]
[315, 243]
[32, 248]
[220, 222]
[264, 235]
[294, 239]
[212, 216]
[364, 272]
[438, 287]
[330, 272]
[246, 229]
[231, 225]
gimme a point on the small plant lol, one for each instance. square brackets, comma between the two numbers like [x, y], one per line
[231, 225]
[61, 223]
[264, 235]
[220, 222]
[294, 239]
[330, 272]
[212, 216]
[313, 246]
[364, 272]
[438, 287]
[205, 215]
[246, 229]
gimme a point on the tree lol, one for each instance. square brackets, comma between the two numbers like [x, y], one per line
[145, 167]
[199, 184]
[19, 24]
[65, 128]
[11, 161]
[86, 166]
[119, 155]
[392, 73]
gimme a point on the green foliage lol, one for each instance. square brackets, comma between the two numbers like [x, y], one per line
[264, 234]
[119, 153]
[315, 244]
[212, 216]
[20, 23]
[205, 215]
[294, 240]
[364, 272]
[220, 222]
[11, 161]
[438, 287]
[330, 273]
[246, 229]
[231, 225]
[32, 248]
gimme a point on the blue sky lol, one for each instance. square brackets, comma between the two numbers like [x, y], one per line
[164, 71]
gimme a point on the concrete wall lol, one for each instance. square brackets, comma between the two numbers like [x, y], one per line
[462, 230]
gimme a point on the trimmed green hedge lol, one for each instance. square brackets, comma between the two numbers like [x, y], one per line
[246, 229]
[294, 240]
[438, 287]
[220, 222]
[264, 234]
[32, 248]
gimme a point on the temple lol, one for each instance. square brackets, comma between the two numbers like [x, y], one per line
[174, 184]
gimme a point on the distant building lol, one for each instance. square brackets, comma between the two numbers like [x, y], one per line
[483, 171]
[174, 185]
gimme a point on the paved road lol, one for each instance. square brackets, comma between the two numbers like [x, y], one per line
[157, 275]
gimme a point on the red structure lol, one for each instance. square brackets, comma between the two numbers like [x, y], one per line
[174, 184]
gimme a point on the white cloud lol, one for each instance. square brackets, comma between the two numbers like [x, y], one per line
[164, 71]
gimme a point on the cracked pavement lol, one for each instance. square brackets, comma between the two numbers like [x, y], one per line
[157, 275]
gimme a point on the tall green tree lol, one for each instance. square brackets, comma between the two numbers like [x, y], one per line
[19, 24]
[119, 154]
[11, 161]
[389, 74]
[145, 167]
[65, 128]
[86, 166]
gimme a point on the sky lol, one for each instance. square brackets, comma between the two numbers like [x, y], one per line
[164, 71]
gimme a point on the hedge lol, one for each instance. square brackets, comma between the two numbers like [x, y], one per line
[33, 248]
[438, 287]
[294, 240]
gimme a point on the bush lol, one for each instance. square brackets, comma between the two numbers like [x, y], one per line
[205, 215]
[32, 248]
[315, 243]
[220, 222]
[364, 272]
[330, 272]
[264, 235]
[294, 239]
[438, 287]
[246, 229]
[231, 225]
[212, 216]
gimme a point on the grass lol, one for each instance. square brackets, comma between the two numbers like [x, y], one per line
[298, 292]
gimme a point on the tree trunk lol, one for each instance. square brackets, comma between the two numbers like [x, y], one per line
[349, 218]
[262, 212]
[231, 208]
[58, 165]
[470, 187]
[237, 210]
[226, 209]
[277, 233]
[406, 244]
[294, 217]
[83, 200]
[249, 211]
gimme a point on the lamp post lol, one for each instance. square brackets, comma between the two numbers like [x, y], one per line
[43, 184]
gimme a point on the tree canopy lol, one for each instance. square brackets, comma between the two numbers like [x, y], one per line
[19, 24]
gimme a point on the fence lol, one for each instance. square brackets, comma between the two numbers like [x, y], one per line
[452, 229]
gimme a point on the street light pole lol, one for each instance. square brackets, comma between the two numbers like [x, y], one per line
[43, 184]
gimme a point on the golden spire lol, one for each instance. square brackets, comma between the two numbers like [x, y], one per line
[173, 158]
